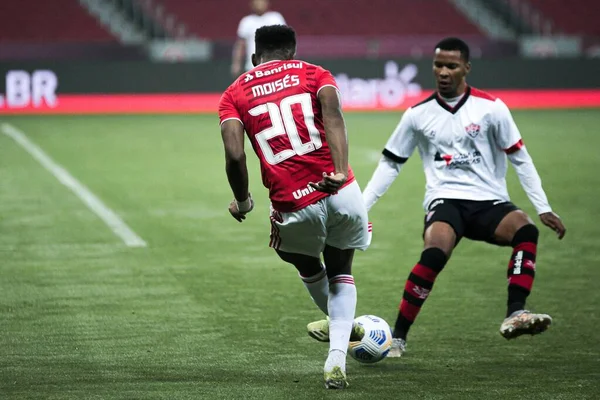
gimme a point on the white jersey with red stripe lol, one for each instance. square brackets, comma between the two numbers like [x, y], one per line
[463, 147]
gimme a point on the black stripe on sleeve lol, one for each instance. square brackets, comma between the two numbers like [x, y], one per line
[393, 157]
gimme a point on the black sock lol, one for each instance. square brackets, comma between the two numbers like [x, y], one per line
[417, 288]
[402, 326]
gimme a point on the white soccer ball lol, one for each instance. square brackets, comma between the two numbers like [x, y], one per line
[376, 342]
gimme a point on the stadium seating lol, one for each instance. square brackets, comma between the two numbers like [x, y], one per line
[219, 19]
[48, 20]
[571, 17]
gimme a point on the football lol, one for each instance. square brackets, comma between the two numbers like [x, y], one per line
[376, 342]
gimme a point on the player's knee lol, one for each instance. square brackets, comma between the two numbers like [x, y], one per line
[442, 245]
[440, 235]
[434, 258]
[306, 265]
[287, 257]
[527, 233]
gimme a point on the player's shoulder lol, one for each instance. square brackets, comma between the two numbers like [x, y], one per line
[235, 84]
[423, 103]
[233, 88]
[274, 14]
[247, 19]
[314, 67]
[315, 72]
[489, 101]
[480, 94]
[422, 107]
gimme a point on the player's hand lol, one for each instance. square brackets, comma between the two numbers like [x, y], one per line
[330, 183]
[234, 209]
[554, 222]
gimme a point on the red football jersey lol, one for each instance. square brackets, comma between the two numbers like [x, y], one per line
[277, 104]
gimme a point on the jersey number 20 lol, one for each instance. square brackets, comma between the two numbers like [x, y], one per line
[282, 123]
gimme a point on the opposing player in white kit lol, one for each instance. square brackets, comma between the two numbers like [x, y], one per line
[464, 137]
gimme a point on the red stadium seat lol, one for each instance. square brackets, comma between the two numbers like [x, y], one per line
[571, 17]
[217, 19]
[48, 20]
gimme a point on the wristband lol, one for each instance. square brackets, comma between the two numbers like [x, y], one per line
[246, 205]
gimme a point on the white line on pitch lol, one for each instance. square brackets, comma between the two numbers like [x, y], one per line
[110, 218]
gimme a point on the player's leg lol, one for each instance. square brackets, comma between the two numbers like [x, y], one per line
[298, 238]
[518, 230]
[440, 239]
[443, 229]
[313, 275]
[347, 230]
[342, 307]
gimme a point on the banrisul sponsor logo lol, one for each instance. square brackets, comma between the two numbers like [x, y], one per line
[284, 67]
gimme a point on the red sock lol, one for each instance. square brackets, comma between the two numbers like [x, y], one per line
[521, 268]
[417, 288]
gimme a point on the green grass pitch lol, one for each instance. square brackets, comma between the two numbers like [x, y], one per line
[208, 311]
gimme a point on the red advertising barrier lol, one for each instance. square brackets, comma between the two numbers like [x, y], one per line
[207, 102]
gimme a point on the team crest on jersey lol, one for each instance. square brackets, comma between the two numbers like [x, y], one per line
[473, 130]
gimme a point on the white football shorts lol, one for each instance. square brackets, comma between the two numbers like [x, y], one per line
[339, 220]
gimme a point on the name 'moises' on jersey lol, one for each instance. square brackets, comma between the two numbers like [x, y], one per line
[463, 148]
[278, 105]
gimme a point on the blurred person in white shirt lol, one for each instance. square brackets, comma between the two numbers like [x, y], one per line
[244, 45]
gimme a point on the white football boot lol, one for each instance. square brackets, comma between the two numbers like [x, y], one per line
[524, 322]
[334, 371]
[398, 348]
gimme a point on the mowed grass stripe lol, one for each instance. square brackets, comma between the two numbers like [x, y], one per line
[108, 216]
[209, 312]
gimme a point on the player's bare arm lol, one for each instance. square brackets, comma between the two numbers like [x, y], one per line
[335, 132]
[232, 133]
[239, 49]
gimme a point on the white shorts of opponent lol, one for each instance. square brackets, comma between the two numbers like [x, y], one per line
[338, 220]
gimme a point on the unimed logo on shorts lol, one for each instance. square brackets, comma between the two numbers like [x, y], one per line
[24, 89]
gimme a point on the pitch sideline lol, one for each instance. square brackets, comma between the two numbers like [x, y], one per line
[110, 218]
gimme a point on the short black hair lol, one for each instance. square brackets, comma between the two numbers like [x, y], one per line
[275, 39]
[452, 43]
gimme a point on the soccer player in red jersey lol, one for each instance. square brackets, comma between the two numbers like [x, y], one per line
[291, 112]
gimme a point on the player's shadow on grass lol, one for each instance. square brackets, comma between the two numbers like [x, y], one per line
[251, 375]
[382, 366]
